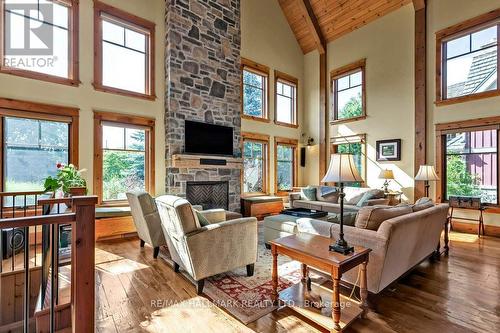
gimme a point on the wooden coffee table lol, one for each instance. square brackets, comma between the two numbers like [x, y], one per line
[312, 250]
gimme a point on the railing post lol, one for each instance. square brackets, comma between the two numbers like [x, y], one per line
[82, 265]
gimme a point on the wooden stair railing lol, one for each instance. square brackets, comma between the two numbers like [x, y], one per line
[82, 221]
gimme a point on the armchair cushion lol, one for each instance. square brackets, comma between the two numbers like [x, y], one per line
[211, 216]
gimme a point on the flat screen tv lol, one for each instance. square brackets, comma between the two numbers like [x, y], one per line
[209, 139]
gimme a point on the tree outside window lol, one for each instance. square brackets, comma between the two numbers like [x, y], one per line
[254, 94]
[285, 167]
[254, 169]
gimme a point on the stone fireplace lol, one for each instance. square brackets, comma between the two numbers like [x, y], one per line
[214, 194]
[202, 59]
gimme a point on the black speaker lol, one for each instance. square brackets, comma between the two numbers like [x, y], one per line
[303, 156]
[12, 242]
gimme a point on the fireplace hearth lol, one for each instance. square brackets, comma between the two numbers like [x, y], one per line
[208, 194]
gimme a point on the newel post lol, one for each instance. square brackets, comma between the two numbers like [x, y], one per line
[82, 265]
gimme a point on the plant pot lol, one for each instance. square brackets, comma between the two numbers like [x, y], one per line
[77, 191]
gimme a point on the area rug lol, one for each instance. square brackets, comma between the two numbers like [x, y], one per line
[249, 298]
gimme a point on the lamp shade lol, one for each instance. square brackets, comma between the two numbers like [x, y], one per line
[427, 172]
[386, 174]
[342, 170]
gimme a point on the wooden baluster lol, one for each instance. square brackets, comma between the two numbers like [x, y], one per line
[83, 259]
[26, 304]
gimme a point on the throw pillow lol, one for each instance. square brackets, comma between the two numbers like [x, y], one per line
[309, 193]
[327, 190]
[327, 194]
[371, 217]
[349, 218]
[364, 199]
[423, 203]
[202, 219]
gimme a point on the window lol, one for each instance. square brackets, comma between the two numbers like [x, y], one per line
[348, 86]
[471, 164]
[467, 60]
[40, 39]
[355, 145]
[255, 161]
[255, 90]
[285, 156]
[124, 53]
[35, 137]
[286, 99]
[124, 155]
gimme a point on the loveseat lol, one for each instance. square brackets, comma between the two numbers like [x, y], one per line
[400, 238]
[326, 198]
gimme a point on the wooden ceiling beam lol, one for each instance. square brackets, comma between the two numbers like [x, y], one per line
[419, 4]
[307, 13]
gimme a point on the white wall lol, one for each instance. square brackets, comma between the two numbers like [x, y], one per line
[266, 38]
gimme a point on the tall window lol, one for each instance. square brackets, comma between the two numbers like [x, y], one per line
[255, 90]
[471, 164]
[124, 52]
[124, 155]
[348, 86]
[285, 156]
[255, 161]
[468, 60]
[35, 137]
[355, 145]
[286, 99]
[40, 39]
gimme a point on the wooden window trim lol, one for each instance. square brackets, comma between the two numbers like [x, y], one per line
[464, 125]
[355, 138]
[263, 70]
[342, 72]
[33, 110]
[290, 80]
[280, 141]
[123, 119]
[442, 36]
[73, 61]
[265, 139]
[134, 21]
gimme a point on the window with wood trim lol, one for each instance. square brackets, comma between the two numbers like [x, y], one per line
[470, 163]
[124, 52]
[467, 56]
[355, 145]
[285, 99]
[349, 92]
[285, 160]
[34, 139]
[39, 40]
[255, 163]
[124, 156]
[255, 90]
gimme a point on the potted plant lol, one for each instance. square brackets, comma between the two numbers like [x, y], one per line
[68, 179]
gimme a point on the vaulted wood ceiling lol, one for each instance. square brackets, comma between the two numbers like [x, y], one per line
[317, 21]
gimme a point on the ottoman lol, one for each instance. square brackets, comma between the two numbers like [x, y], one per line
[278, 226]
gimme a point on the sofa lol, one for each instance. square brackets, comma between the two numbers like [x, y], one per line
[203, 251]
[400, 238]
[326, 198]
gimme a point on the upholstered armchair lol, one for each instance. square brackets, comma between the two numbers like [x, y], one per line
[147, 220]
[212, 249]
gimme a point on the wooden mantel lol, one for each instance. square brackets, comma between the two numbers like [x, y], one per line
[196, 162]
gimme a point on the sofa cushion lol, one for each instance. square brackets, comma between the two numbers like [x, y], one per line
[302, 204]
[201, 218]
[308, 193]
[349, 218]
[371, 217]
[354, 194]
[423, 203]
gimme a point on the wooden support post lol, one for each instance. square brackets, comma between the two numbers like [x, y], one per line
[324, 121]
[82, 265]
[420, 92]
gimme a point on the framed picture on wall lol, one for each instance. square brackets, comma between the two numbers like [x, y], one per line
[389, 150]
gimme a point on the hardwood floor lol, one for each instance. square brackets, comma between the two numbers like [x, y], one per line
[459, 293]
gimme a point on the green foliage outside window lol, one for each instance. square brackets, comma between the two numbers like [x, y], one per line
[352, 109]
[285, 168]
[253, 94]
[459, 180]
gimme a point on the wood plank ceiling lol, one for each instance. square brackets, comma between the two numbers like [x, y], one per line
[335, 18]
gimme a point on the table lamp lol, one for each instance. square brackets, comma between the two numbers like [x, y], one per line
[387, 175]
[342, 170]
[427, 173]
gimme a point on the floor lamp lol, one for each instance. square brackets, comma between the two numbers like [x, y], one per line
[342, 170]
[428, 174]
